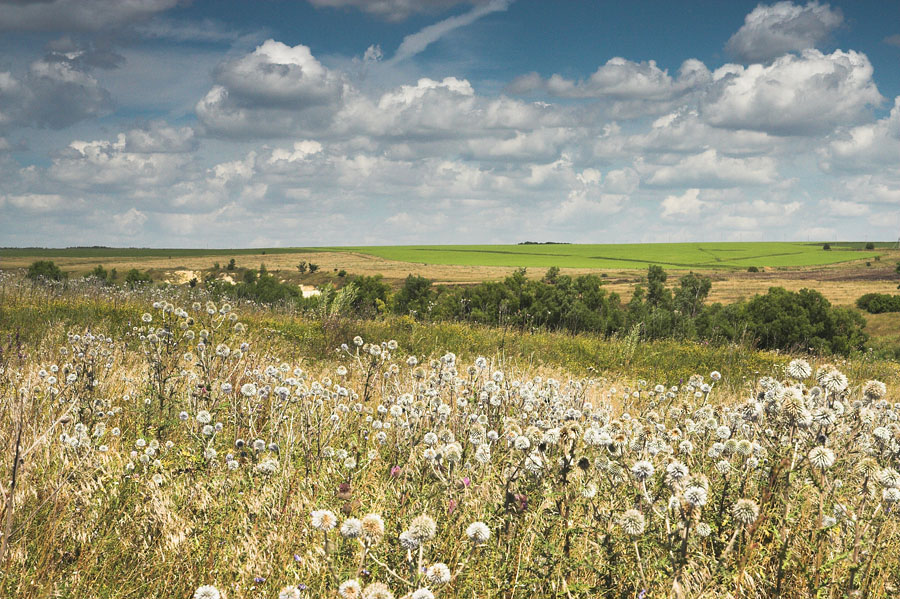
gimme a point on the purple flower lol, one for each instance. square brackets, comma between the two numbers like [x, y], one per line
[395, 471]
[297, 558]
[259, 579]
[452, 506]
[302, 586]
[466, 481]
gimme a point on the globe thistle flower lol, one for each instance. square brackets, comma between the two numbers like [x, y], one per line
[248, 390]
[696, 495]
[642, 470]
[675, 472]
[874, 390]
[891, 495]
[289, 592]
[423, 528]
[350, 589]
[745, 511]
[207, 591]
[522, 443]
[703, 529]
[372, 528]
[408, 541]
[632, 522]
[438, 573]
[835, 381]
[268, 467]
[351, 528]
[888, 477]
[799, 369]
[323, 520]
[377, 590]
[478, 532]
[821, 457]
[422, 594]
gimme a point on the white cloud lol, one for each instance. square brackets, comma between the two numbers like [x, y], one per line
[688, 204]
[417, 42]
[709, 169]
[843, 208]
[274, 91]
[770, 31]
[626, 80]
[865, 146]
[796, 95]
[395, 10]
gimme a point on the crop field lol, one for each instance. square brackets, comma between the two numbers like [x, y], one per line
[155, 443]
[696, 256]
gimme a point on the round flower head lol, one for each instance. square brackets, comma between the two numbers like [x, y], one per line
[874, 390]
[632, 522]
[478, 532]
[438, 573]
[423, 528]
[351, 528]
[422, 594]
[696, 495]
[350, 589]
[891, 495]
[642, 470]
[704, 530]
[372, 528]
[745, 511]
[377, 590]
[207, 591]
[407, 541]
[323, 520]
[821, 457]
[290, 592]
[888, 477]
[799, 369]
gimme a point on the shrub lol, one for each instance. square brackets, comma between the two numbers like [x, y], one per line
[878, 303]
[134, 277]
[753, 269]
[827, 246]
[870, 245]
[45, 269]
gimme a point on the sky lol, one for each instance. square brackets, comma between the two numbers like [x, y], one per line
[224, 123]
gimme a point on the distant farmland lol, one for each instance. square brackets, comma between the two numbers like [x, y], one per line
[701, 256]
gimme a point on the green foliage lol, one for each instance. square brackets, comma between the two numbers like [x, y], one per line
[302, 267]
[827, 246]
[371, 292]
[134, 278]
[752, 269]
[46, 270]
[870, 245]
[414, 297]
[878, 303]
[231, 265]
[313, 267]
[342, 273]
[101, 274]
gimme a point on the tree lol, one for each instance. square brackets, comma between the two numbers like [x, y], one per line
[45, 269]
[231, 265]
[415, 296]
[302, 267]
[692, 291]
[870, 245]
[313, 267]
[551, 275]
[657, 294]
[827, 246]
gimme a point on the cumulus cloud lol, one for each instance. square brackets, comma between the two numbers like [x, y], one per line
[395, 10]
[770, 31]
[865, 146]
[709, 169]
[687, 204]
[796, 95]
[53, 93]
[273, 91]
[620, 79]
[76, 15]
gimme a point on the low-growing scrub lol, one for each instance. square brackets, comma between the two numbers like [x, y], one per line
[205, 451]
[879, 303]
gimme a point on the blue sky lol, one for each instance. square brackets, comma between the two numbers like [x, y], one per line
[325, 122]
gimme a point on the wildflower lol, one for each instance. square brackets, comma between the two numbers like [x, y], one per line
[799, 369]
[438, 573]
[675, 472]
[745, 511]
[874, 390]
[703, 529]
[891, 495]
[207, 591]
[350, 589]
[642, 470]
[478, 532]
[696, 495]
[632, 522]
[821, 457]
[422, 594]
[377, 590]
[521, 443]
[423, 528]
[351, 528]
[289, 592]
[268, 467]
[323, 520]
[248, 389]
[888, 477]
[372, 528]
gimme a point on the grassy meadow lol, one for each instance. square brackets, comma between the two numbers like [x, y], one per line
[156, 444]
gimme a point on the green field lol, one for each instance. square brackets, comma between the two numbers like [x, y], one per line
[670, 255]
[725, 255]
